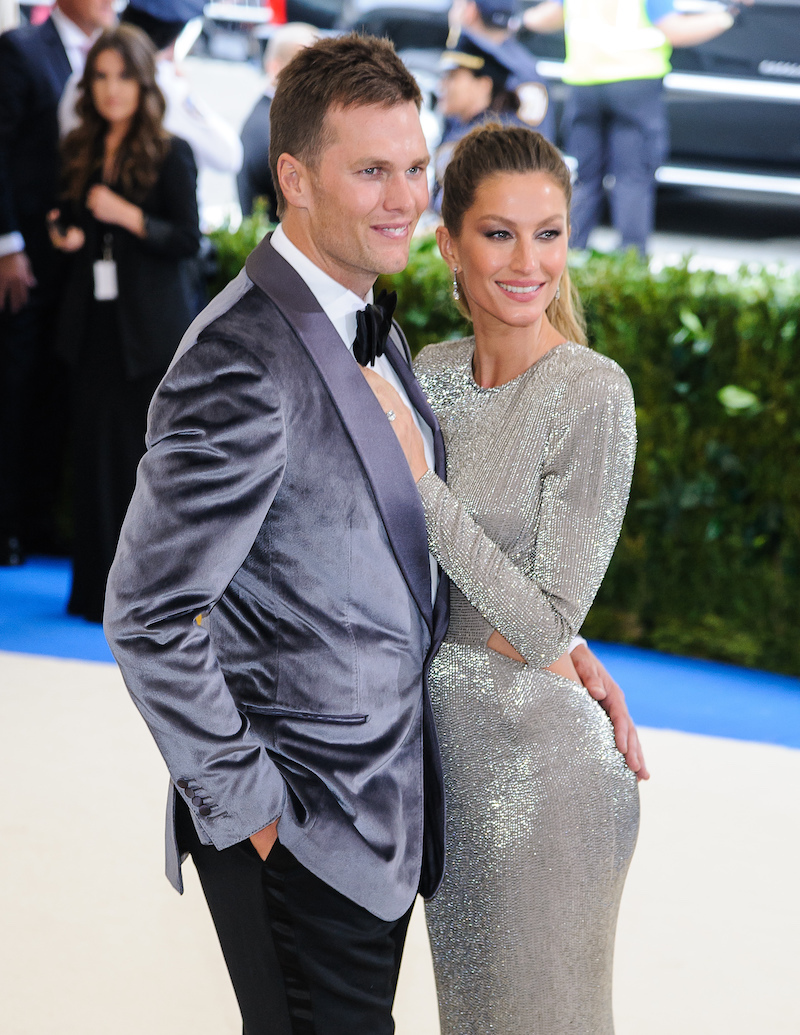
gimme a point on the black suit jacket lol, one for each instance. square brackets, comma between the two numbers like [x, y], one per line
[254, 179]
[33, 70]
[155, 300]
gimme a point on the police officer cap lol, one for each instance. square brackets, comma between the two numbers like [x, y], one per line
[481, 57]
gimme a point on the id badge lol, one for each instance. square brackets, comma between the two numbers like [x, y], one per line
[105, 273]
[105, 280]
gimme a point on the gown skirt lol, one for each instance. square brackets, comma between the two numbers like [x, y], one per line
[542, 821]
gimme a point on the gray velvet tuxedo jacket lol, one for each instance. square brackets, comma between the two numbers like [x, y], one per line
[270, 601]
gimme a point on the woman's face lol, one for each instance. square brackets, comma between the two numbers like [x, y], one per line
[115, 93]
[512, 249]
[463, 95]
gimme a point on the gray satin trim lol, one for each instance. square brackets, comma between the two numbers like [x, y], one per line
[219, 305]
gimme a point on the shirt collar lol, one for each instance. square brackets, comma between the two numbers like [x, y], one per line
[339, 303]
[76, 42]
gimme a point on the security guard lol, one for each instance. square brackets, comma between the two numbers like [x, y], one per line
[618, 52]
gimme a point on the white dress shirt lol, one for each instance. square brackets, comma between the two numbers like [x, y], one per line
[340, 305]
[76, 43]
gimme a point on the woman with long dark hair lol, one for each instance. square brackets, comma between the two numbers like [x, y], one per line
[128, 220]
[540, 434]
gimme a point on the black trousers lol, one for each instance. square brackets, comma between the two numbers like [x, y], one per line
[33, 425]
[303, 959]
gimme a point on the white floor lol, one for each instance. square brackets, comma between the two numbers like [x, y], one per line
[93, 941]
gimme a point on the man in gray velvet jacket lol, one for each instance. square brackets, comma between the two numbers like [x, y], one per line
[272, 604]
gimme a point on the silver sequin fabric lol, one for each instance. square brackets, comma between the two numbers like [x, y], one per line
[542, 811]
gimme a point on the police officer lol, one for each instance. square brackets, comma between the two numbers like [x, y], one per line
[495, 22]
[484, 81]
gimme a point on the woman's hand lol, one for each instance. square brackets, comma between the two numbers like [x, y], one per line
[403, 425]
[70, 240]
[108, 207]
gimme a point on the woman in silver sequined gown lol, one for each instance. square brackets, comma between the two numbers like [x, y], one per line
[540, 438]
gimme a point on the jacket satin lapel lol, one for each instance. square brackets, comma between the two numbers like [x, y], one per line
[386, 468]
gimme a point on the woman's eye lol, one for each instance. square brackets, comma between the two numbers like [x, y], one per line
[550, 235]
[498, 235]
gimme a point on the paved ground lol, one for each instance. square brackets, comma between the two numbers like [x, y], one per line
[95, 942]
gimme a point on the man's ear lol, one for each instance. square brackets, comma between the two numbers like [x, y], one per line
[293, 179]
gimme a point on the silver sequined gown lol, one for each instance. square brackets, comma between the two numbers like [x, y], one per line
[542, 810]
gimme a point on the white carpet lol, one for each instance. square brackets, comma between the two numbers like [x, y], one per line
[93, 941]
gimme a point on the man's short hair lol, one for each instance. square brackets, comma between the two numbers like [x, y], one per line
[342, 72]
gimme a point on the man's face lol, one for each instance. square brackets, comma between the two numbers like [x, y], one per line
[367, 193]
[89, 15]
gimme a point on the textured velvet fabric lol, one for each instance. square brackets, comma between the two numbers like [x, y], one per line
[275, 502]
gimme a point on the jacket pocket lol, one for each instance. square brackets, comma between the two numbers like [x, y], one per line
[279, 712]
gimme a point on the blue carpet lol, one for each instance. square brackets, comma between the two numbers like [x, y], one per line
[33, 613]
[663, 691]
[704, 696]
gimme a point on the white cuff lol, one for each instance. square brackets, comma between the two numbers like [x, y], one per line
[11, 243]
[576, 641]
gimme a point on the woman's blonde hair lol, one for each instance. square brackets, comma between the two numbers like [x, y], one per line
[491, 149]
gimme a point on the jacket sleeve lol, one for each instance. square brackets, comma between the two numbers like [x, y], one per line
[538, 602]
[173, 230]
[214, 462]
[13, 84]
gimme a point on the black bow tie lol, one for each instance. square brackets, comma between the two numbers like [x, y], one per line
[372, 328]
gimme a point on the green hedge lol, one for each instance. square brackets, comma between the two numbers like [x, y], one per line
[709, 559]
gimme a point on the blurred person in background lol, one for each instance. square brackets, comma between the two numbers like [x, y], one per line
[128, 223]
[496, 22]
[213, 141]
[35, 63]
[479, 84]
[255, 179]
[616, 120]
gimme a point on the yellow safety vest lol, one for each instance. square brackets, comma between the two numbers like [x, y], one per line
[612, 40]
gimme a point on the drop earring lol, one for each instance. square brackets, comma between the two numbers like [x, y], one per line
[558, 292]
[456, 293]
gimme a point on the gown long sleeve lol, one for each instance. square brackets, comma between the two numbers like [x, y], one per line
[537, 588]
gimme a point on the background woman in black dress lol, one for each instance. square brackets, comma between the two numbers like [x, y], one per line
[129, 220]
